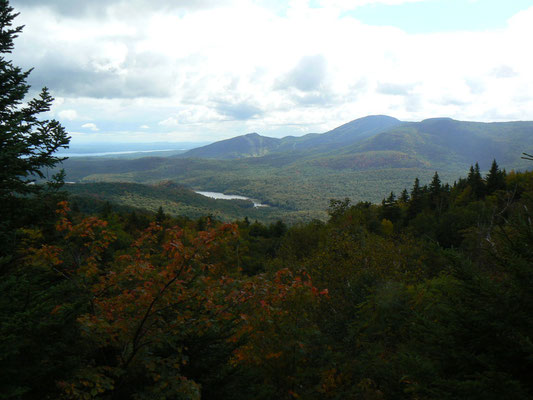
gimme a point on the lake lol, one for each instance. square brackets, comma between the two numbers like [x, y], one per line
[222, 196]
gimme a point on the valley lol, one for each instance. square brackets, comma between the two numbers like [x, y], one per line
[363, 160]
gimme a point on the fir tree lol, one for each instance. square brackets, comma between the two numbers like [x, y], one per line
[160, 216]
[404, 197]
[476, 182]
[27, 143]
[495, 179]
[417, 201]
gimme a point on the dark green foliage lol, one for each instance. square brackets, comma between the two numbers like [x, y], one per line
[423, 297]
[390, 209]
[476, 182]
[437, 308]
[495, 179]
[27, 143]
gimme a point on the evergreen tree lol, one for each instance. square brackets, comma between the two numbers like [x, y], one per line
[416, 202]
[435, 186]
[476, 182]
[160, 216]
[495, 179]
[390, 209]
[404, 197]
[27, 143]
[436, 194]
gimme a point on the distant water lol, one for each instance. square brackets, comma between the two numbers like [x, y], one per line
[110, 153]
[222, 196]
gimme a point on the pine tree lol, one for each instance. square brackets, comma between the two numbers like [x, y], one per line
[417, 202]
[404, 196]
[436, 195]
[390, 209]
[495, 179]
[160, 216]
[476, 181]
[27, 143]
[435, 186]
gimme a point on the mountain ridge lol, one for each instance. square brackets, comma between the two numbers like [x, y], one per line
[255, 145]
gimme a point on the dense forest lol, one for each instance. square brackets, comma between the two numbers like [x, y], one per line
[424, 296]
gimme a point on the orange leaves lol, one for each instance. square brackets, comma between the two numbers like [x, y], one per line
[274, 355]
[170, 286]
[46, 256]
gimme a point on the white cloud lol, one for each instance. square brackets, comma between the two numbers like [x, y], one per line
[170, 122]
[69, 115]
[352, 4]
[90, 126]
[220, 69]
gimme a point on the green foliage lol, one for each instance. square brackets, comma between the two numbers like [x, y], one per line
[27, 143]
[423, 297]
[435, 304]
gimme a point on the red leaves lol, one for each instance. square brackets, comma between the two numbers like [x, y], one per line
[170, 285]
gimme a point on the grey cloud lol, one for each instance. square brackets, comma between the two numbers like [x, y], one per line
[242, 110]
[139, 78]
[451, 101]
[308, 75]
[395, 89]
[315, 98]
[73, 8]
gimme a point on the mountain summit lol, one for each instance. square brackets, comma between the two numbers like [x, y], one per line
[255, 145]
[249, 145]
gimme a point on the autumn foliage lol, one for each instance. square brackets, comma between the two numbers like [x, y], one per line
[146, 302]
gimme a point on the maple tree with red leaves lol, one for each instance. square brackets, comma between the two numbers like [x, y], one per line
[145, 304]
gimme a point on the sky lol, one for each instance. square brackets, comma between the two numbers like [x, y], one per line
[206, 70]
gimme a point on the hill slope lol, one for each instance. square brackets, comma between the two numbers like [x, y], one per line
[254, 145]
[303, 179]
[449, 144]
[250, 145]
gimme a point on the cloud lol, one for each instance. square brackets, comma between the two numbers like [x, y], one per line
[352, 4]
[504, 71]
[144, 127]
[238, 111]
[90, 126]
[93, 74]
[68, 115]
[395, 89]
[308, 75]
[220, 68]
[79, 9]
[170, 122]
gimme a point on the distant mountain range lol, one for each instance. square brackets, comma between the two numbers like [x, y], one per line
[255, 145]
[382, 140]
[364, 159]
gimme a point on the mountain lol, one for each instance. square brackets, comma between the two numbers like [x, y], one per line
[250, 145]
[447, 143]
[254, 145]
[380, 141]
[364, 159]
[349, 133]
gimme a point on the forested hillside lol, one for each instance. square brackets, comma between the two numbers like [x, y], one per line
[106, 295]
[364, 160]
[427, 295]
